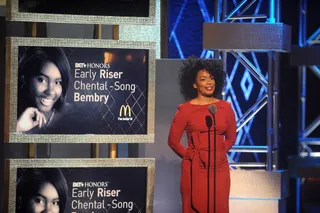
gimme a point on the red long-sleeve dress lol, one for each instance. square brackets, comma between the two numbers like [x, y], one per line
[194, 166]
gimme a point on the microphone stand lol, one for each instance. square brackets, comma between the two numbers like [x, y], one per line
[212, 110]
[209, 124]
[215, 162]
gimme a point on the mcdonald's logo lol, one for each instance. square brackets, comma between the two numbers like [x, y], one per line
[125, 113]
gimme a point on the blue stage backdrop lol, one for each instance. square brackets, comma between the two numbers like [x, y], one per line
[243, 90]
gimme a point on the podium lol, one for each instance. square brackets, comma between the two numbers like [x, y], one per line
[258, 191]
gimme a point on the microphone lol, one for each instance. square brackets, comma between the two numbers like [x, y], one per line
[212, 109]
[208, 121]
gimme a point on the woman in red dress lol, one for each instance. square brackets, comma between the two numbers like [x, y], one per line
[201, 84]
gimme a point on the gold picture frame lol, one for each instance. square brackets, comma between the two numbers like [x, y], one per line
[13, 14]
[10, 133]
[12, 166]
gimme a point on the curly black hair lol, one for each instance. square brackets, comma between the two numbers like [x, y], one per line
[188, 73]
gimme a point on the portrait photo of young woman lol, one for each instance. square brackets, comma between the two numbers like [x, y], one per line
[42, 88]
[41, 190]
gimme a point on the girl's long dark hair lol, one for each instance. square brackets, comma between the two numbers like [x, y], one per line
[31, 182]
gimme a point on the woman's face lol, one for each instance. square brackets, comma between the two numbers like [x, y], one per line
[46, 87]
[204, 83]
[46, 200]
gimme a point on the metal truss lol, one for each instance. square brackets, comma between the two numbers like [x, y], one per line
[269, 83]
[306, 143]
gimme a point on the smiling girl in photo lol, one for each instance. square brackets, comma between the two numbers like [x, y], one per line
[43, 83]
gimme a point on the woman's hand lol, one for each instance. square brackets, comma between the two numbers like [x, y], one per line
[30, 118]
